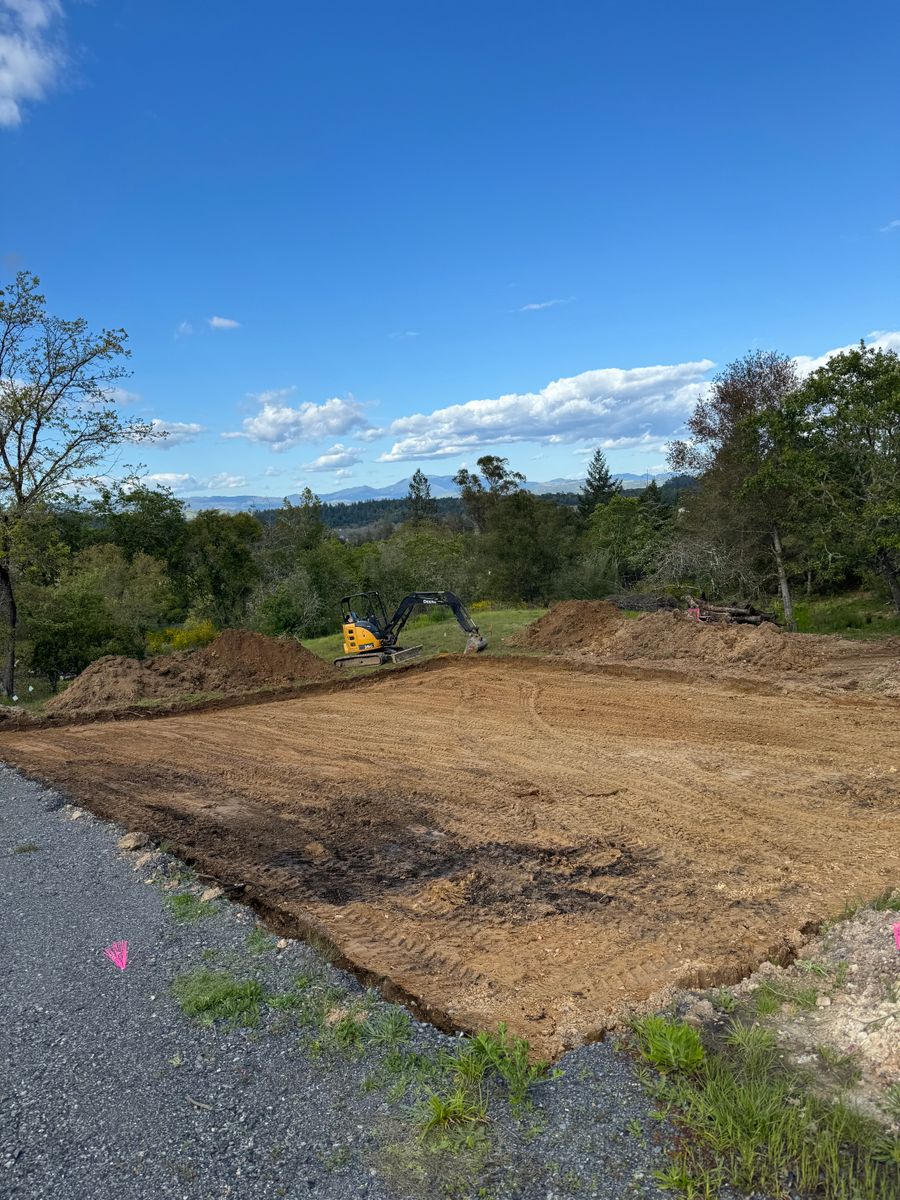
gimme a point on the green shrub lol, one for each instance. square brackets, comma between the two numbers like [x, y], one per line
[191, 636]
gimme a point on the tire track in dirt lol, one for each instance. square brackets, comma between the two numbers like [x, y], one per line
[512, 839]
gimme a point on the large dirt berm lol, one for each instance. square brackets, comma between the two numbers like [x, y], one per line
[237, 661]
[598, 627]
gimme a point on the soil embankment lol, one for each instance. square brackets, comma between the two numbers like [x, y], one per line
[595, 630]
[237, 661]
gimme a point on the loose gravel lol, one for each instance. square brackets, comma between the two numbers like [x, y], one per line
[108, 1089]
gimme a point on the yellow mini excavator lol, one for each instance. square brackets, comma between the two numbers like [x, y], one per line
[370, 638]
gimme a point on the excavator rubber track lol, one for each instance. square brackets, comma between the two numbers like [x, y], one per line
[378, 658]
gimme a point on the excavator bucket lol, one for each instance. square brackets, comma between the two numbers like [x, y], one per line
[475, 644]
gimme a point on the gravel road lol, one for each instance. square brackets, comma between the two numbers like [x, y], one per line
[109, 1089]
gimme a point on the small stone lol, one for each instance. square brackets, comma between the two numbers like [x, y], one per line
[133, 841]
[283, 943]
[143, 859]
[210, 893]
[699, 1013]
[823, 1002]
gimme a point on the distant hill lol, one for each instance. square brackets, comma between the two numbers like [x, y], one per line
[442, 486]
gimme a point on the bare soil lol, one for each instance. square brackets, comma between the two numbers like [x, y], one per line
[595, 631]
[237, 661]
[516, 839]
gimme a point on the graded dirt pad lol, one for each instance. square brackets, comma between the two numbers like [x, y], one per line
[237, 661]
[515, 839]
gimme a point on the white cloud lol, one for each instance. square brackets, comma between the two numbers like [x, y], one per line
[224, 480]
[222, 323]
[544, 304]
[185, 329]
[881, 339]
[623, 407]
[117, 395]
[890, 227]
[177, 432]
[182, 482]
[344, 473]
[172, 479]
[282, 426]
[403, 335]
[31, 55]
[337, 458]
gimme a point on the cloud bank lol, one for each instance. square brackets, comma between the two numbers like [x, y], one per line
[622, 407]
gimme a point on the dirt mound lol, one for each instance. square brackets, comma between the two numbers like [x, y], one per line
[237, 661]
[676, 635]
[571, 625]
[598, 628]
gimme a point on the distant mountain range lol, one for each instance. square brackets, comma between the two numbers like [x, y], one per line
[441, 486]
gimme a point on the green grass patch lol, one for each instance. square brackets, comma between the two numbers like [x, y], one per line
[26, 848]
[888, 901]
[669, 1045]
[856, 616]
[437, 636]
[769, 997]
[258, 941]
[750, 1121]
[210, 996]
[185, 906]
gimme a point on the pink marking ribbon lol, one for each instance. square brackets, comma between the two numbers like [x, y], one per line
[897, 934]
[117, 954]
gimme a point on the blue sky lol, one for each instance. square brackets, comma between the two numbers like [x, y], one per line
[430, 232]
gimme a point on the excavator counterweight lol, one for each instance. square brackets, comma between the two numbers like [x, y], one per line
[370, 637]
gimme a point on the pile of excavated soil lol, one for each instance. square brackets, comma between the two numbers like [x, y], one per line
[666, 635]
[237, 661]
[597, 627]
[570, 625]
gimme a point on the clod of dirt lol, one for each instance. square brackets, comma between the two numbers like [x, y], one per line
[237, 661]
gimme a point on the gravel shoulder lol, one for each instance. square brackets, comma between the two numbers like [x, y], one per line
[108, 1088]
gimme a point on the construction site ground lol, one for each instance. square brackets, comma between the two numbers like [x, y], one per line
[538, 842]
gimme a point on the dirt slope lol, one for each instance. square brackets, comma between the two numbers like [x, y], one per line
[516, 839]
[237, 661]
[595, 630]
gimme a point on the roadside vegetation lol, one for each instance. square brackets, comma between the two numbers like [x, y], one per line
[750, 1119]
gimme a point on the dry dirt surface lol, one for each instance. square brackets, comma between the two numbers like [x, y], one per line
[515, 839]
[237, 661]
[595, 631]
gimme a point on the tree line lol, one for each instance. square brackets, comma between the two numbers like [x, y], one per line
[782, 483]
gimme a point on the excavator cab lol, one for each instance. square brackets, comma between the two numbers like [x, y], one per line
[370, 636]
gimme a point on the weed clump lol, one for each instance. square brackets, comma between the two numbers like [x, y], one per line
[210, 996]
[752, 1123]
[185, 906]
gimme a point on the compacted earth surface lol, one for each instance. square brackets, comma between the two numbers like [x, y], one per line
[225, 1062]
[516, 840]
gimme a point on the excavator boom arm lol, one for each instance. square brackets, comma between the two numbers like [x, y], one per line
[408, 605]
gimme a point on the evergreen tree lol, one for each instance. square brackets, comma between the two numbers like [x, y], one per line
[599, 486]
[420, 505]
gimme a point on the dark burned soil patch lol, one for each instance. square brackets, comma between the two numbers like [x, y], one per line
[511, 881]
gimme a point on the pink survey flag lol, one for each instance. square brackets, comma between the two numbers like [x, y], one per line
[897, 934]
[117, 953]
